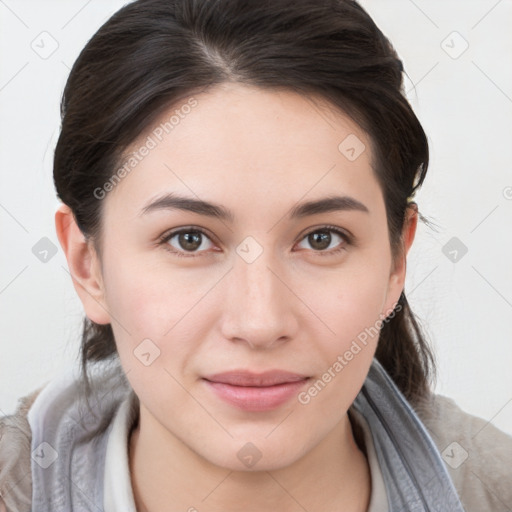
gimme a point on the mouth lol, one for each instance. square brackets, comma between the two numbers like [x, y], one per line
[256, 392]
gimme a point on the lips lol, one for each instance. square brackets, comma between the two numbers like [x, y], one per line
[256, 392]
[245, 378]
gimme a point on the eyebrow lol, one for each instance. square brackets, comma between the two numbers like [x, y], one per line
[173, 201]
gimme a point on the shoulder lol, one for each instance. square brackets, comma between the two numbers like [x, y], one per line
[15, 442]
[478, 455]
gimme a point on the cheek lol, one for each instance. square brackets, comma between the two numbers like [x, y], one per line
[149, 298]
[353, 308]
[347, 357]
[356, 298]
[156, 310]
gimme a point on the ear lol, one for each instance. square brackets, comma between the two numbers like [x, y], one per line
[84, 265]
[399, 265]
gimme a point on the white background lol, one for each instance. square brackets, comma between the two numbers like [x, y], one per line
[464, 101]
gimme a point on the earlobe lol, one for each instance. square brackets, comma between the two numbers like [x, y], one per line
[83, 264]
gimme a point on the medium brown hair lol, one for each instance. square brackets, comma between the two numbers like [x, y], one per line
[153, 53]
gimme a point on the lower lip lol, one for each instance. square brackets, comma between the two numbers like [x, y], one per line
[263, 398]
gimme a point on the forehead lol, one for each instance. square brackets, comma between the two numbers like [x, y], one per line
[248, 143]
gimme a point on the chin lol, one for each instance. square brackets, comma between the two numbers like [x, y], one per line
[254, 456]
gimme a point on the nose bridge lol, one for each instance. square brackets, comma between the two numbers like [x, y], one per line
[258, 309]
[260, 283]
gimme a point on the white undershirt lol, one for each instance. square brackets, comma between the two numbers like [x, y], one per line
[117, 488]
[118, 493]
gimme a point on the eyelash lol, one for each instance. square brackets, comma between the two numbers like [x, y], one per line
[164, 239]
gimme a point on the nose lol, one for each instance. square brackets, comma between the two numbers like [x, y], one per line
[259, 307]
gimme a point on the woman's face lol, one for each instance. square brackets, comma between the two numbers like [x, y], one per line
[251, 292]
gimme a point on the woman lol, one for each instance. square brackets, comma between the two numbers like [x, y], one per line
[237, 183]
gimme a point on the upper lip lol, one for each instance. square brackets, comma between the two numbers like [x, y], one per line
[247, 378]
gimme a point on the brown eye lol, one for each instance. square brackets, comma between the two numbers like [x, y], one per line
[191, 241]
[321, 239]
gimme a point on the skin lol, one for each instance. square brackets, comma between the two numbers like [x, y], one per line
[258, 153]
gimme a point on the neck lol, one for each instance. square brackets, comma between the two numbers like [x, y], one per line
[333, 476]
